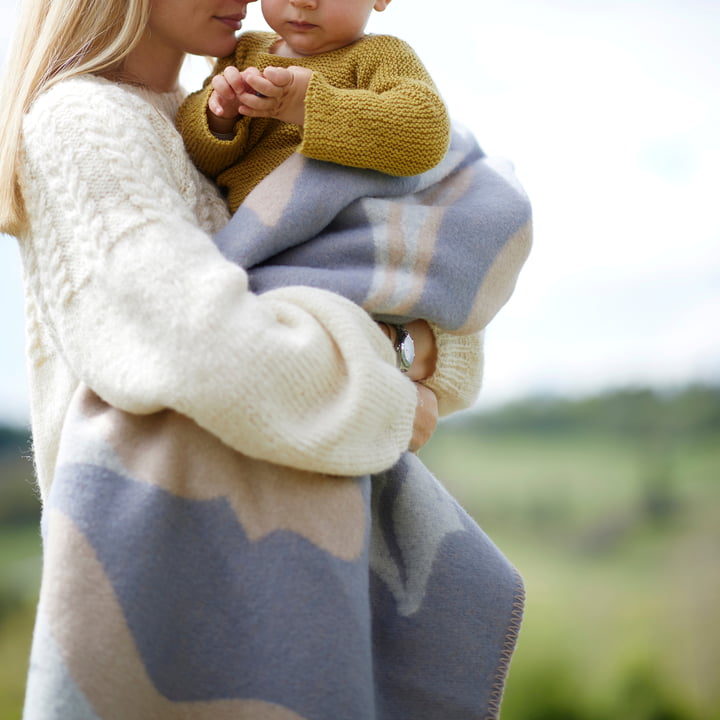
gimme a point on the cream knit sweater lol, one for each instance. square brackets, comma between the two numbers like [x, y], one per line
[127, 294]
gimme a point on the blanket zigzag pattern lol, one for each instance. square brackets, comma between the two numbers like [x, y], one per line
[172, 560]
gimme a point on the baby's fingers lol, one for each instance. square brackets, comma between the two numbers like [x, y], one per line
[256, 105]
[235, 80]
[279, 76]
[263, 86]
[221, 86]
[223, 98]
[215, 105]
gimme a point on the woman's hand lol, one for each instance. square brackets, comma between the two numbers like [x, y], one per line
[426, 413]
[425, 350]
[423, 365]
[426, 417]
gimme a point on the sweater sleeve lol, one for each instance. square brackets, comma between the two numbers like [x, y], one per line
[210, 154]
[458, 377]
[148, 314]
[394, 121]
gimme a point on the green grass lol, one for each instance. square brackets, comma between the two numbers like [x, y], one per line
[618, 545]
[649, 608]
[20, 561]
[15, 639]
[581, 485]
[18, 543]
[20, 549]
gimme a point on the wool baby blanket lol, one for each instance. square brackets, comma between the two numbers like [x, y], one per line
[446, 246]
[184, 581]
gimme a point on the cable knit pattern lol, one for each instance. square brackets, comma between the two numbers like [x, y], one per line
[371, 105]
[128, 295]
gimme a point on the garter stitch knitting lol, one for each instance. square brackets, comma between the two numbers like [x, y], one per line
[127, 294]
[371, 105]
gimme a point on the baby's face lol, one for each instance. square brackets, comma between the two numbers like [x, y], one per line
[311, 27]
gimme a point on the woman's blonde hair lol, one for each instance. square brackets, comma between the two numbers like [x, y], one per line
[56, 39]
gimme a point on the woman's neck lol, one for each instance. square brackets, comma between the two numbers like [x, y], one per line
[154, 66]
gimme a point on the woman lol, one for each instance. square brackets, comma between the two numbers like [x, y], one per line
[136, 321]
[126, 292]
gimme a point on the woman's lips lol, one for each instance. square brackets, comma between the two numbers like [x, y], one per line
[232, 21]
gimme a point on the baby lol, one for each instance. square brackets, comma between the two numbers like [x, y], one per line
[318, 86]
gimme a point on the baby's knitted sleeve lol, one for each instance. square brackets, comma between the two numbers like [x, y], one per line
[147, 313]
[210, 154]
[394, 121]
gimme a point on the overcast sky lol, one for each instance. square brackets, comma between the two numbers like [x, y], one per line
[610, 112]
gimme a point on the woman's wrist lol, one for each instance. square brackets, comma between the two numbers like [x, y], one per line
[425, 350]
[424, 353]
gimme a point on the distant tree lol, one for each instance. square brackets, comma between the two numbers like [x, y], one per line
[641, 413]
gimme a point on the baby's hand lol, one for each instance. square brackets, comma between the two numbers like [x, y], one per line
[224, 103]
[277, 92]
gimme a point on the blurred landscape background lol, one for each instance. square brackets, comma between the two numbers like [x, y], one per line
[593, 456]
[608, 506]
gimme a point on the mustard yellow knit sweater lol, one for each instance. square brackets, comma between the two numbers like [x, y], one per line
[371, 104]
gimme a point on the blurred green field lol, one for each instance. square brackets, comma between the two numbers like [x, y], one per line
[19, 580]
[610, 509]
[617, 536]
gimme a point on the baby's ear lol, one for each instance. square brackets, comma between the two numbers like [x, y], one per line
[380, 5]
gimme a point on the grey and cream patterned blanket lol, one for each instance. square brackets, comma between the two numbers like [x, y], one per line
[446, 246]
[184, 581]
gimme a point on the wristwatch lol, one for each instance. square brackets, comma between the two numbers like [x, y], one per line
[404, 348]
